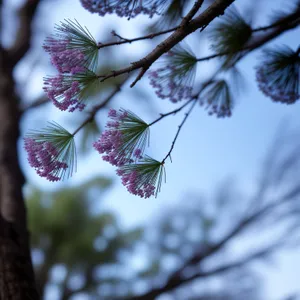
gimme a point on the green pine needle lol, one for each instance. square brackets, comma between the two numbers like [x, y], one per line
[217, 98]
[81, 39]
[149, 171]
[229, 35]
[87, 80]
[135, 133]
[171, 17]
[184, 61]
[282, 64]
[278, 74]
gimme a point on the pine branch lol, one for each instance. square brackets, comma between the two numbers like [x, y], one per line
[173, 112]
[1, 24]
[216, 9]
[176, 279]
[289, 22]
[178, 131]
[197, 5]
[129, 41]
[202, 20]
[98, 107]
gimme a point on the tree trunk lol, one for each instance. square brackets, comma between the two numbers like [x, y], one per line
[16, 271]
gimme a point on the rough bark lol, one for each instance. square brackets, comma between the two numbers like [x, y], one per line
[16, 271]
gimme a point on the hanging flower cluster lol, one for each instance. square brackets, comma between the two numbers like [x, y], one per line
[229, 35]
[51, 152]
[124, 8]
[217, 99]
[175, 78]
[73, 51]
[278, 74]
[65, 60]
[143, 178]
[72, 48]
[122, 144]
[67, 91]
[124, 140]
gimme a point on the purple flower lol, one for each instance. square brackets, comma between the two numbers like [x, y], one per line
[175, 78]
[278, 74]
[65, 59]
[217, 99]
[72, 48]
[43, 157]
[133, 185]
[124, 8]
[51, 152]
[124, 139]
[142, 178]
[270, 89]
[64, 92]
[167, 85]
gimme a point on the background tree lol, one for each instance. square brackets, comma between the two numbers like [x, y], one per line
[274, 74]
[66, 235]
[188, 252]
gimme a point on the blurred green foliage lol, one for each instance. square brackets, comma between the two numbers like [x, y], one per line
[67, 229]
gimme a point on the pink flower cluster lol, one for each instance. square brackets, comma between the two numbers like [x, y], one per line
[168, 85]
[42, 156]
[65, 60]
[110, 142]
[63, 93]
[63, 89]
[115, 151]
[124, 8]
[131, 181]
[269, 89]
[218, 107]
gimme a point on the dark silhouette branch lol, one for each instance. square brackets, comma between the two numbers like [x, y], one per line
[16, 271]
[23, 37]
[197, 5]
[184, 29]
[98, 107]
[289, 22]
[178, 131]
[177, 279]
[129, 41]
[213, 11]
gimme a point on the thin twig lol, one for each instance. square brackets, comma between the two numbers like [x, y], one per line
[289, 18]
[129, 41]
[173, 112]
[178, 131]
[252, 46]
[214, 10]
[197, 5]
[96, 108]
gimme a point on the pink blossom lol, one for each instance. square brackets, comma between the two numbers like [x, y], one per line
[271, 90]
[131, 182]
[167, 85]
[43, 157]
[118, 145]
[124, 8]
[65, 59]
[63, 92]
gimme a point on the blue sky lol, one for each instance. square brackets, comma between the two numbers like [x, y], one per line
[208, 149]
